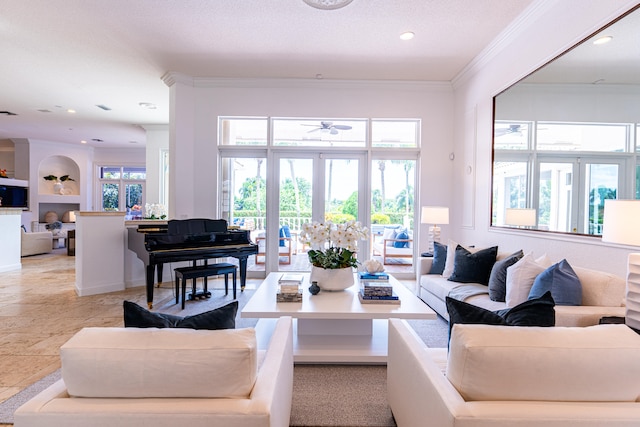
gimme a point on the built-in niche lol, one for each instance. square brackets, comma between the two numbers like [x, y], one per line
[60, 176]
[58, 188]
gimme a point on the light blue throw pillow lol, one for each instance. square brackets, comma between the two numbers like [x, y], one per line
[563, 283]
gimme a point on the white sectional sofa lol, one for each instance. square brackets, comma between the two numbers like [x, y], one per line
[508, 376]
[130, 377]
[603, 295]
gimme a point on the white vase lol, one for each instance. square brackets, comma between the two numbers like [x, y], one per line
[58, 187]
[332, 279]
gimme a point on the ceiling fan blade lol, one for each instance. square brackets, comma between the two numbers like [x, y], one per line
[342, 127]
[314, 130]
[334, 131]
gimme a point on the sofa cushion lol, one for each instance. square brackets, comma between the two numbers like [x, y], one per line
[151, 362]
[520, 277]
[594, 364]
[439, 258]
[473, 267]
[563, 283]
[498, 277]
[600, 288]
[221, 318]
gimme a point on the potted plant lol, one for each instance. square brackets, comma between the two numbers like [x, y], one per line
[333, 252]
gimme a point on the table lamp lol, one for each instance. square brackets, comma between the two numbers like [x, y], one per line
[621, 225]
[434, 215]
[520, 217]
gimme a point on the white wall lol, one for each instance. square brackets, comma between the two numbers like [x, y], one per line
[157, 141]
[552, 27]
[198, 103]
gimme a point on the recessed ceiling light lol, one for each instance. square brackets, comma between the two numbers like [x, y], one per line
[83, 142]
[407, 35]
[603, 40]
[147, 105]
[71, 111]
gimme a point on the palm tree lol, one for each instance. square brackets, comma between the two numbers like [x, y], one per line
[381, 166]
[296, 190]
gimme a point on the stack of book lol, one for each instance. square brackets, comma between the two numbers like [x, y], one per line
[376, 289]
[289, 288]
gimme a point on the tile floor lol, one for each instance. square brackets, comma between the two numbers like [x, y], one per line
[40, 311]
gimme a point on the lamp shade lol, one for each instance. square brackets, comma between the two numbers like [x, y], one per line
[435, 215]
[621, 222]
[520, 217]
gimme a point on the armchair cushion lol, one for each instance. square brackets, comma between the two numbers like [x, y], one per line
[220, 318]
[143, 362]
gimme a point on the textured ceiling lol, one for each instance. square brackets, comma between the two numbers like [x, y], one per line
[81, 53]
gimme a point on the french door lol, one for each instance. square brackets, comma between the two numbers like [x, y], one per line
[571, 192]
[311, 186]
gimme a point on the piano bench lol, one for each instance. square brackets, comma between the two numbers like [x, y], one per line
[204, 271]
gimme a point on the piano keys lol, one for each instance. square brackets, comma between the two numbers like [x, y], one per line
[188, 240]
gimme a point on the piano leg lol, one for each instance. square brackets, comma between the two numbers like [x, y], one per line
[242, 261]
[150, 282]
[160, 268]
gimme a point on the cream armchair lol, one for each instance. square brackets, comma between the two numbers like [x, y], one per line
[36, 243]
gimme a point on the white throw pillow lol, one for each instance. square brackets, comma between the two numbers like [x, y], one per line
[389, 233]
[521, 275]
[451, 255]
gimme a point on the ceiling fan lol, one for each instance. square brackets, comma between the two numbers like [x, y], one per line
[328, 127]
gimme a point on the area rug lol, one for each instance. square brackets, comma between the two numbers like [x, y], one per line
[323, 395]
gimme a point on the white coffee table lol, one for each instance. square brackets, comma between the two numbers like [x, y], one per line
[333, 327]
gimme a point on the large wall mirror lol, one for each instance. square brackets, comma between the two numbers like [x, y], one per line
[567, 136]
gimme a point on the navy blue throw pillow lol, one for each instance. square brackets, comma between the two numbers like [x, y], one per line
[498, 276]
[473, 267]
[533, 312]
[221, 318]
[401, 235]
[439, 258]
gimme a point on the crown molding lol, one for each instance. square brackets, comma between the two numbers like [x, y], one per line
[275, 83]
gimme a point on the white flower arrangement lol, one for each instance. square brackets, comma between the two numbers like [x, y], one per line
[333, 245]
[155, 211]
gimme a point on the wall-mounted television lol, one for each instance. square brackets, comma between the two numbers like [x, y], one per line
[14, 197]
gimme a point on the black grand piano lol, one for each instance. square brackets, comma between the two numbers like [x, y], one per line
[188, 240]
